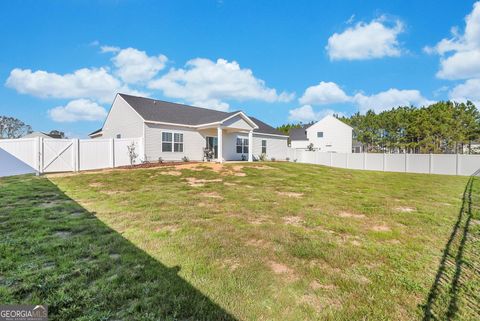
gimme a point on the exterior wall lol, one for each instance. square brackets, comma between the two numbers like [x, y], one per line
[276, 146]
[122, 120]
[337, 136]
[237, 122]
[301, 144]
[193, 143]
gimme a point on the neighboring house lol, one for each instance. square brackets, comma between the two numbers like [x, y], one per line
[327, 135]
[172, 131]
[474, 148]
[41, 134]
[357, 147]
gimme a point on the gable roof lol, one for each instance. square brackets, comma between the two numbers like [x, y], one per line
[166, 112]
[41, 134]
[298, 133]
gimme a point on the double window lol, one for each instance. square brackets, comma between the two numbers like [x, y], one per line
[264, 146]
[242, 145]
[172, 142]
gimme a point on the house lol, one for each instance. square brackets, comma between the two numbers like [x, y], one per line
[41, 134]
[172, 131]
[327, 135]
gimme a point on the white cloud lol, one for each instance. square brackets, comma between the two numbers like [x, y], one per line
[389, 99]
[460, 54]
[366, 41]
[107, 49]
[93, 83]
[76, 110]
[203, 80]
[323, 93]
[134, 66]
[306, 114]
[469, 90]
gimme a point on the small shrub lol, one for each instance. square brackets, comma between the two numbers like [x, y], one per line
[310, 147]
[273, 159]
[160, 160]
[295, 160]
[132, 154]
[287, 159]
[185, 159]
[244, 158]
[262, 157]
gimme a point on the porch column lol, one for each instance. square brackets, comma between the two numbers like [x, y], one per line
[220, 144]
[250, 146]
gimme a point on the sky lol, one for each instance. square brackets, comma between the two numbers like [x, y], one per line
[62, 62]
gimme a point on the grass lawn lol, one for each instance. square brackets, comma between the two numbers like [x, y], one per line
[262, 241]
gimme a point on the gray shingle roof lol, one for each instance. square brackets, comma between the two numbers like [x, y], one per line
[163, 111]
[298, 134]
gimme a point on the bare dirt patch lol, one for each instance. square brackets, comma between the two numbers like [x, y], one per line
[231, 264]
[112, 192]
[315, 285]
[172, 173]
[229, 184]
[258, 243]
[258, 220]
[282, 269]
[167, 228]
[405, 209]
[290, 194]
[293, 220]
[211, 195]
[381, 228]
[96, 184]
[350, 215]
[196, 182]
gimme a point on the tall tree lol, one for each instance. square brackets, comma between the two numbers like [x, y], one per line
[11, 127]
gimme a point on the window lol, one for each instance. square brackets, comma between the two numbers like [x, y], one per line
[119, 136]
[320, 134]
[166, 142]
[264, 146]
[172, 142]
[242, 145]
[178, 142]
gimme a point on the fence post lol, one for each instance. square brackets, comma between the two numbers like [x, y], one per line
[40, 155]
[331, 160]
[456, 164]
[430, 163]
[406, 163]
[364, 160]
[346, 160]
[112, 152]
[384, 160]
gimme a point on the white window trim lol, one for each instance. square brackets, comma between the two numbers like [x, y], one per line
[243, 144]
[173, 141]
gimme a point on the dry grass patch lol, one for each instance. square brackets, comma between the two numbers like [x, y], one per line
[290, 194]
[196, 182]
[293, 220]
[381, 228]
[211, 195]
[172, 173]
[405, 209]
[350, 215]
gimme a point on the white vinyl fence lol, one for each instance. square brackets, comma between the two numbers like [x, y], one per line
[448, 164]
[41, 155]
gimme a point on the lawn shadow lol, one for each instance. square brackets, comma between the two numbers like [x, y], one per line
[53, 251]
[455, 293]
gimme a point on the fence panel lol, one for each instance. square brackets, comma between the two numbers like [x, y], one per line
[468, 164]
[355, 161]
[374, 162]
[443, 164]
[18, 157]
[122, 157]
[339, 160]
[95, 154]
[395, 162]
[418, 163]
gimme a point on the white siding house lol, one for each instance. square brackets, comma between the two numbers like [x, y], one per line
[172, 131]
[327, 135]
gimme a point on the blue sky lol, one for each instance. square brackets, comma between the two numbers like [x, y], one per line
[62, 62]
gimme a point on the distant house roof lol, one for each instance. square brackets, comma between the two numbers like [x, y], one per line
[298, 134]
[162, 111]
[41, 134]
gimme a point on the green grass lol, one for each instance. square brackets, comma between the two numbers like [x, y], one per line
[285, 242]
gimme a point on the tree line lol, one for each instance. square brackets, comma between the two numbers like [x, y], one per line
[11, 127]
[443, 127]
